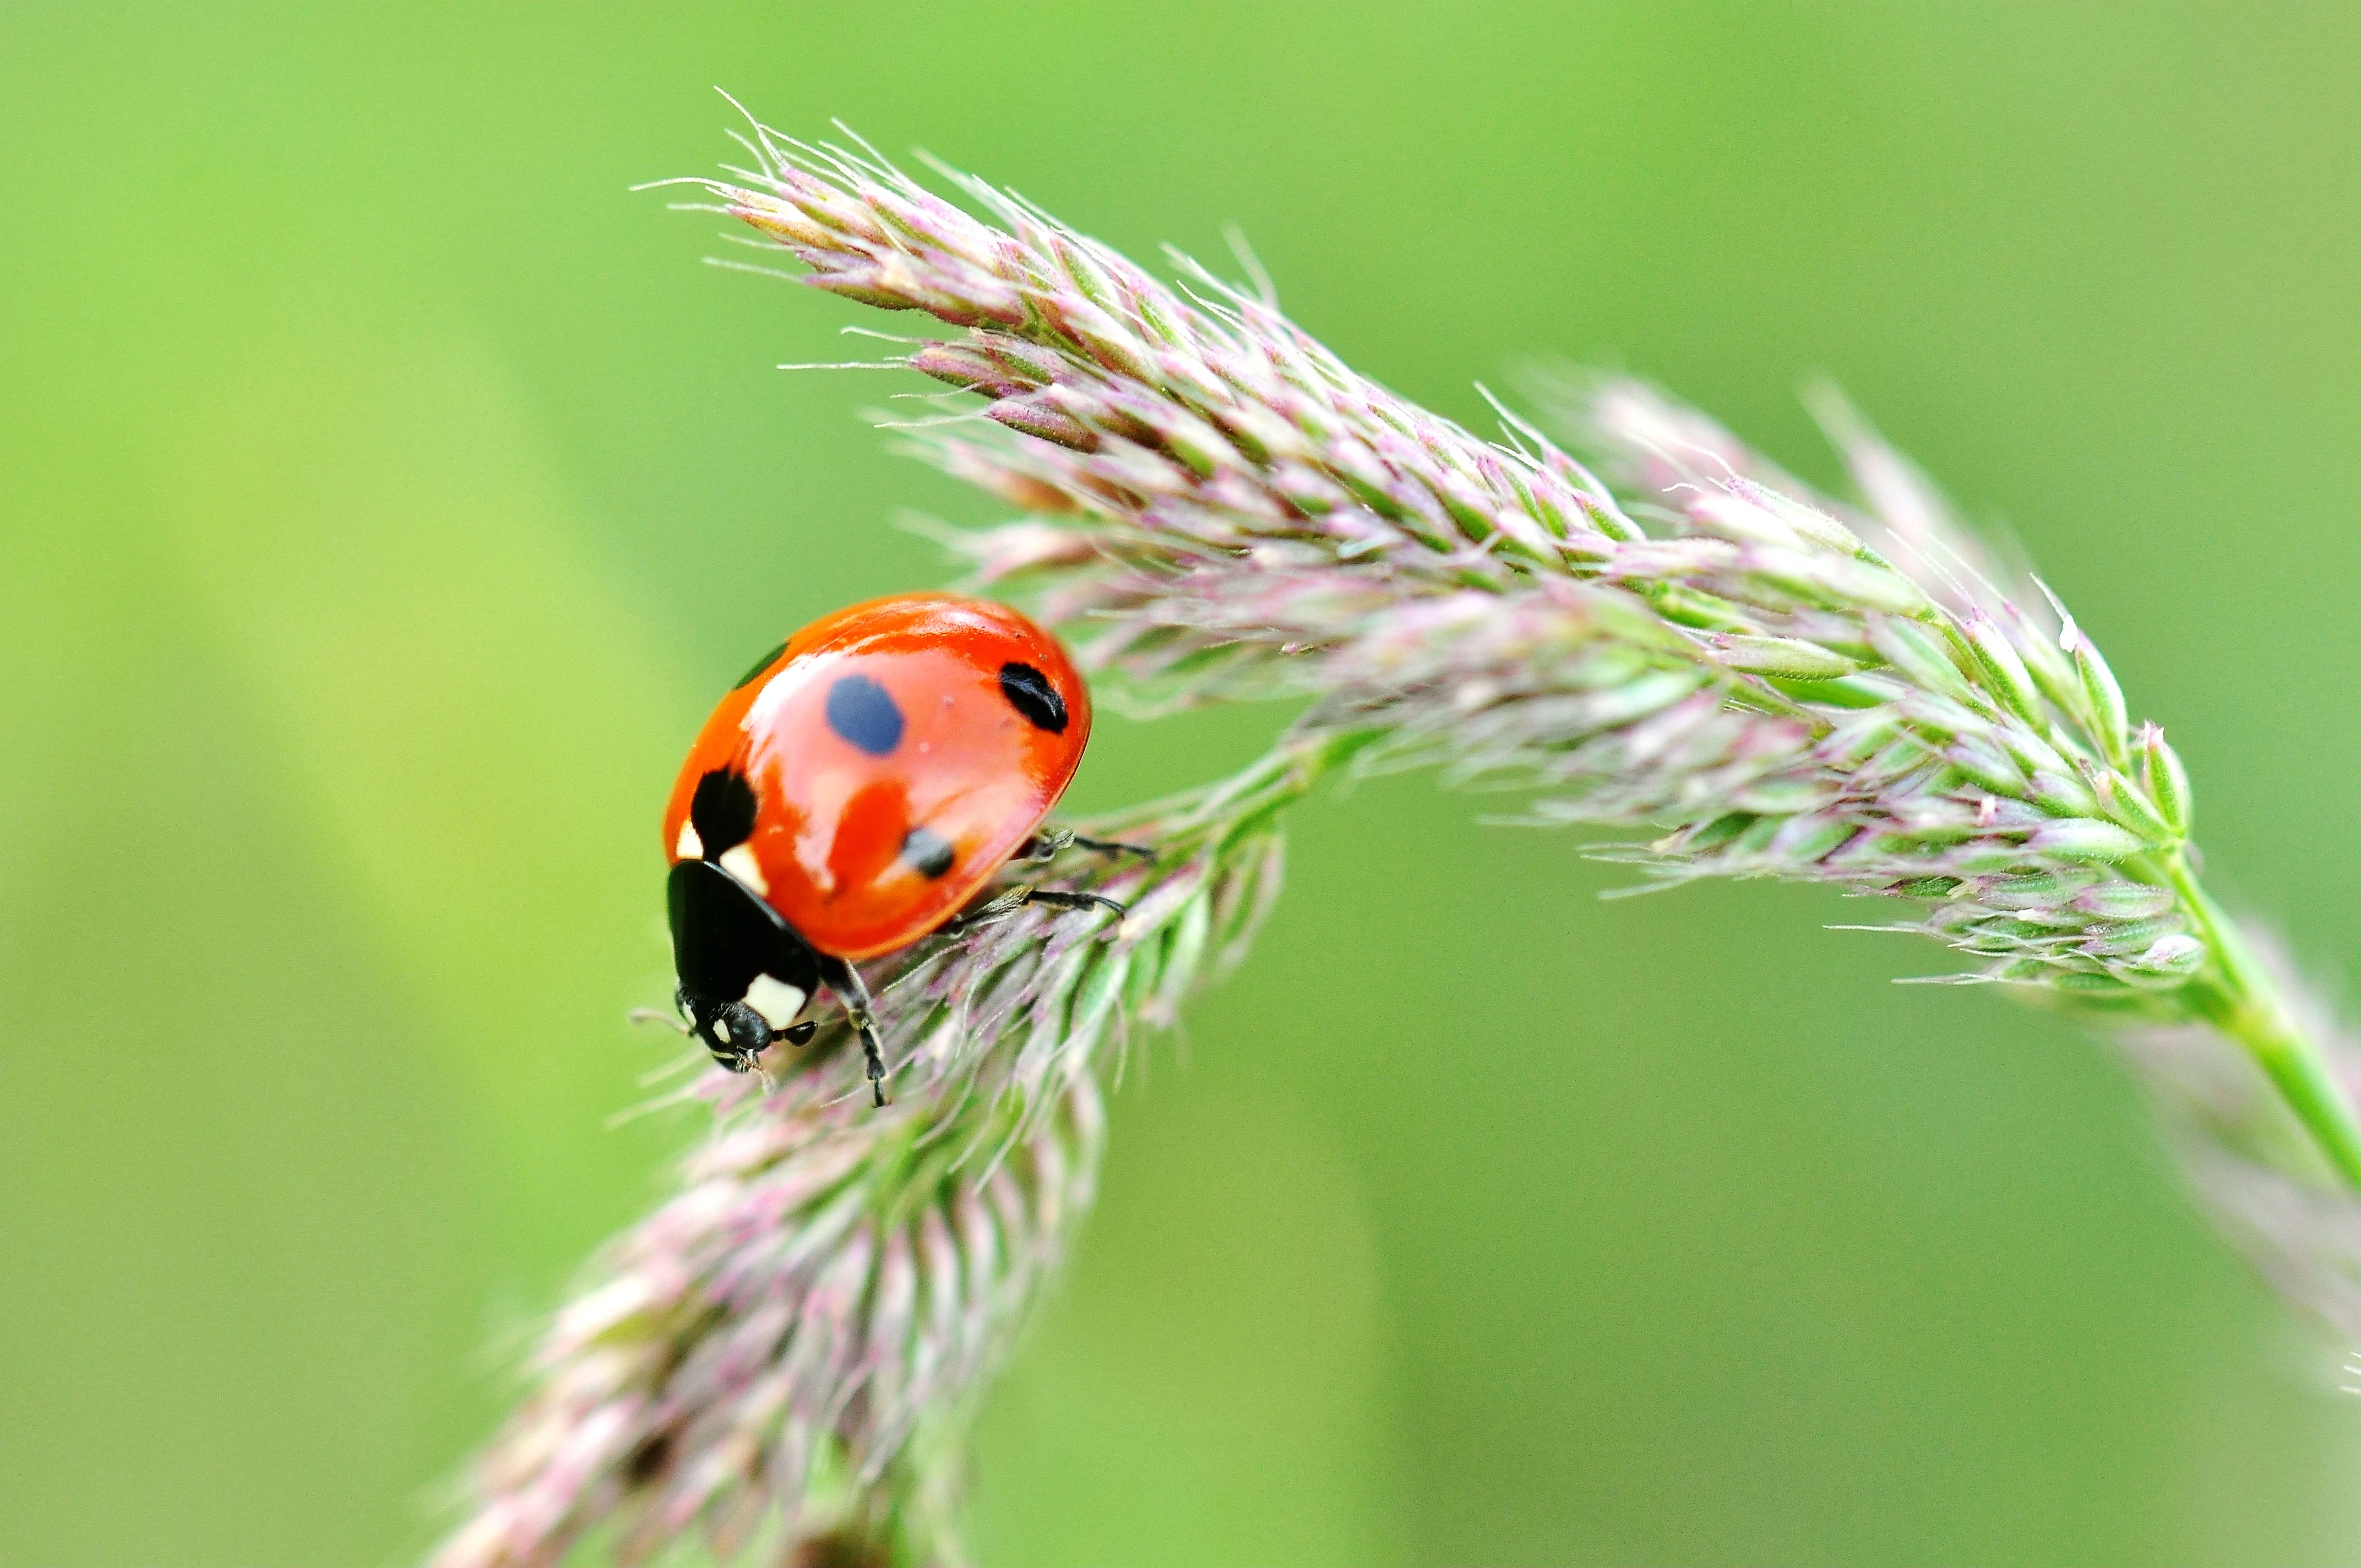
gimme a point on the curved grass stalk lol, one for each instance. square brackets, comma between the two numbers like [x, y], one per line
[1755, 679]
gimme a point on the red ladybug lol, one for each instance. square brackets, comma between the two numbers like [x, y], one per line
[853, 793]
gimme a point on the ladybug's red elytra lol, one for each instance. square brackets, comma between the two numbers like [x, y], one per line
[853, 793]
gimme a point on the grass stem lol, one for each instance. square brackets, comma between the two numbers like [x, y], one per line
[2239, 997]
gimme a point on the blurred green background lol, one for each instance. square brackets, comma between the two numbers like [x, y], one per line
[387, 494]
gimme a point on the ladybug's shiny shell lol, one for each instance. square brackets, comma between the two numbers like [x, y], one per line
[869, 777]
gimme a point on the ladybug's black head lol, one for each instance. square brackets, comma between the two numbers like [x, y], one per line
[734, 1032]
[745, 975]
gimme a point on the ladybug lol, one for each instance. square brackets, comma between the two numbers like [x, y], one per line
[852, 794]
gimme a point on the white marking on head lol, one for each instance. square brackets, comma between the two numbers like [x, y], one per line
[739, 861]
[689, 847]
[775, 1000]
[721, 1030]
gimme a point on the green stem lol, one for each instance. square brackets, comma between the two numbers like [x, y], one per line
[2239, 997]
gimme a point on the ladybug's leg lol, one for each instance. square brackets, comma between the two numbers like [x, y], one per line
[1003, 904]
[845, 980]
[1045, 845]
[1056, 899]
[997, 906]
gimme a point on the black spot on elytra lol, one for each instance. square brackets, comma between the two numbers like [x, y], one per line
[864, 713]
[1028, 691]
[764, 663]
[722, 812]
[926, 851]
